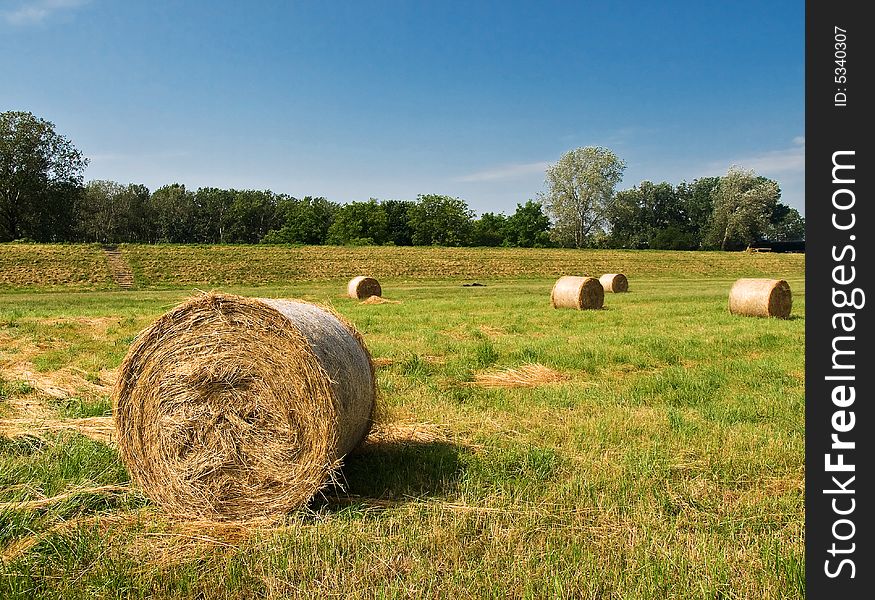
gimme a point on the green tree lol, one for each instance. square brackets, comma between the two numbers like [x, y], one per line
[743, 206]
[488, 230]
[173, 214]
[40, 178]
[359, 223]
[649, 215]
[785, 224]
[109, 212]
[398, 230]
[528, 227]
[579, 187]
[303, 221]
[440, 221]
[215, 219]
[698, 206]
[252, 214]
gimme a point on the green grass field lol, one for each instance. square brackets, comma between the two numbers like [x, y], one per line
[669, 463]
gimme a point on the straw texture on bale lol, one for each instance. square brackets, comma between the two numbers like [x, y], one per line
[581, 293]
[363, 287]
[614, 282]
[231, 408]
[761, 298]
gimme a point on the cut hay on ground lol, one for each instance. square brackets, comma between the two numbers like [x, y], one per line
[363, 287]
[581, 293]
[761, 298]
[99, 429]
[40, 503]
[528, 375]
[615, 283]
[403, 433]
[379, 300]
[232, 408]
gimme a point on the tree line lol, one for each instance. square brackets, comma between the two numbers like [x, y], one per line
[44, 198]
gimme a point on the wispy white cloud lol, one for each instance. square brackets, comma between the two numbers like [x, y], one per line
[37, 11]
[788, 160]
[504, 172]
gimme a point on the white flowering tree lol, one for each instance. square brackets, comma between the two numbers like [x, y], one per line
[743, 206]
[579, 188]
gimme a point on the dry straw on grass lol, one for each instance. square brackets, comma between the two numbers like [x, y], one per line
[761, 298]
[233, 408]
[577, 292]
[614, 282]
[379, 300]
[528, 375]
[363, 287]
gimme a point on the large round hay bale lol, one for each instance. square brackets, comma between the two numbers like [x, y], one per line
[363, 287]
[231, 408]
[614, 282]
[581, 293]
[761, 298]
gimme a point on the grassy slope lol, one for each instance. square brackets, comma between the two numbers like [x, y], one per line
[53, 266]
[83, 267]
[670, 465]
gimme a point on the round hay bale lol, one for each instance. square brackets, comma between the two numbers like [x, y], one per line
[577, 292]
[231, 408]
[363, 287]
[614, 282]
[761, 298]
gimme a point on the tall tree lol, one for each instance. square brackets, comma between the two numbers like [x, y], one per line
[398, 230]
[303, 221]
[697, 202]
[579, 187]
[488, 230]
[109, 212]
[786, 224]
[440, 221]
[40, 178]
[359, 223]
[743, 206]
[173, 214]
[528, 227]
[648, 215]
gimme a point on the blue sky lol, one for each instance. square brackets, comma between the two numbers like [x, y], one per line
[352, 100]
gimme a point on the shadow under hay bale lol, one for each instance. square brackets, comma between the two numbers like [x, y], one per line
[761, 298]
[363, 287]
[582, 293]
[400, 469]
[615, 283]
[232, 408]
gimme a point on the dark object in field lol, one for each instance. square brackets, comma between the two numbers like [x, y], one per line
[614, 282]
[582, 293]
[363, 287]
[761, 298]
[474, 284]
[232, 409]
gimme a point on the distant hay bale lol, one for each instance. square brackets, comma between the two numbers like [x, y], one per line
[577, 292]
[363, 287]
[614, 282]
[231, 408]
[761, 298]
